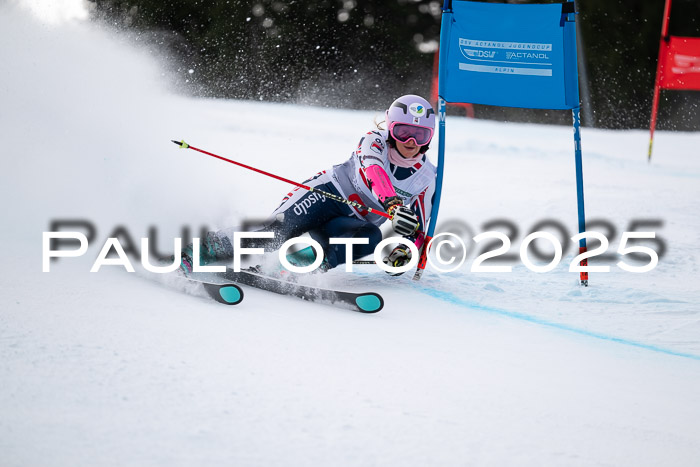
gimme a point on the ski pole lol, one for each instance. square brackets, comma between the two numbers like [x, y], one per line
[337, 198]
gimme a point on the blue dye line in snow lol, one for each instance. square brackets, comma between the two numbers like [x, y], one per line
[451, 298]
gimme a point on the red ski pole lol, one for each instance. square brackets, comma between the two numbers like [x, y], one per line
[337, 198]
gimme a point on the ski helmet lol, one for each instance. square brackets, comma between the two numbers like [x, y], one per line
[411, 111]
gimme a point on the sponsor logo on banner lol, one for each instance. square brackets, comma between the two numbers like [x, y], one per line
[683, 64]
[517, 58]
[526, 56]
[471, 53]
[505, 45]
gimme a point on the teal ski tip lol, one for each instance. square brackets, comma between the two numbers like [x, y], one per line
[230, 294]
[369, 302]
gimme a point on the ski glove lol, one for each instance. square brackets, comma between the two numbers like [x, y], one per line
[399, 256]
[403, 220]
[390, 203]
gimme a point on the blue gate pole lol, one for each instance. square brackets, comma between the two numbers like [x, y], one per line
[445, 27]
[576, 112]
[438, 191]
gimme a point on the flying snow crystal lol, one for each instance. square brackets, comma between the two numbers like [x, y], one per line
[57, 11]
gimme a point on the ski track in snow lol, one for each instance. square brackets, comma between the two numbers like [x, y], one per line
[483, 295]
[459, 368]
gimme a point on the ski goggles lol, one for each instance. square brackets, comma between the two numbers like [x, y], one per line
[402, 133]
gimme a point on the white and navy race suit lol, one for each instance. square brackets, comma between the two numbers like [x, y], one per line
[302, 211]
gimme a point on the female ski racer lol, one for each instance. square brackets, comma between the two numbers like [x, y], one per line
[388, 171]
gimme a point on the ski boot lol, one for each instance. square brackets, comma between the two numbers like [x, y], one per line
[212, 248]
[301, 258]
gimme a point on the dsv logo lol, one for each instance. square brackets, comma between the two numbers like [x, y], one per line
[304, 205]
[471, 53]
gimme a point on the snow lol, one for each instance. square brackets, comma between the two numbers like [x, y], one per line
[460, 368]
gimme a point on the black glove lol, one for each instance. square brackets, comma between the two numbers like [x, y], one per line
[399, 256]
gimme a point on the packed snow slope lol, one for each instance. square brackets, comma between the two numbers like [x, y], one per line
[460, 368]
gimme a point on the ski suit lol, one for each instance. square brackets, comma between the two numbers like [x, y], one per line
[367, 177]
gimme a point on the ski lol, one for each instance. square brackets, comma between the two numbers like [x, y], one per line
[226, 293]
[366, 302]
